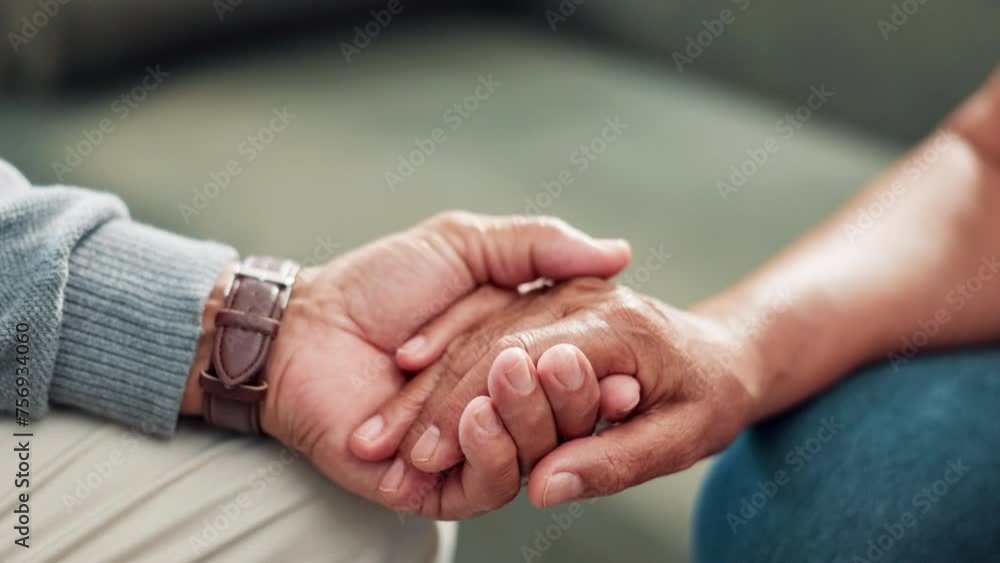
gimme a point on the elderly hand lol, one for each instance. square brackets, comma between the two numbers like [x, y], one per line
[521, 395]
[332, 364]
[697, 376]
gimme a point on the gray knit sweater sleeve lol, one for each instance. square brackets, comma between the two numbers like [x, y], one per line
[111, 308]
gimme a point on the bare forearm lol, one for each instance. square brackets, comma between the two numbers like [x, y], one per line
[910, 263]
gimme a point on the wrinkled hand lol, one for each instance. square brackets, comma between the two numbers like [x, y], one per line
[695, 394]
[520, 393]
[332, 364]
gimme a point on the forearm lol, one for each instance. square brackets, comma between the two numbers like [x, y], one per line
[920, 261]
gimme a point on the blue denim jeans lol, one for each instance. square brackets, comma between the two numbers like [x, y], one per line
[895, 463]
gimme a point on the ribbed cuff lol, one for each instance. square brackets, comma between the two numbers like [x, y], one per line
[131, 322]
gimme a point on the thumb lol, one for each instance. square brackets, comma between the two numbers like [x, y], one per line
[649, 446]
[513, 250]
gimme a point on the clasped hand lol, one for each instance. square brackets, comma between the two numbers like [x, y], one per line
[508, 384]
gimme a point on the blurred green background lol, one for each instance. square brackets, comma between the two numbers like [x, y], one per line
[320, 184]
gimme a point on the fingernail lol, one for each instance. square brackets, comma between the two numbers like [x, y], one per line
[369, 430]
[562, 487]
[519, 377]
[413, 345]
[614, 245]
[633, 403]
[487, 419]
[393, 477]
[425, 446]
[569, 372]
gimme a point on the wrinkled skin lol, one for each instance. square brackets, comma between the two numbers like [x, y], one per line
[692, 402]
[332, 363]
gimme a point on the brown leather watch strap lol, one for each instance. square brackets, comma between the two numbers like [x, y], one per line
[236, 382]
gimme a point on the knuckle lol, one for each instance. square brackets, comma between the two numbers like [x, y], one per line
[627, 303]
[452, 217]
[536, 225]
[624, 468]
[451, 352]
[454, 221]
[408, 403]
[455, 361]
[519, 340]
[638, 312]
[551, 223]
[613, 477]
[578, 294]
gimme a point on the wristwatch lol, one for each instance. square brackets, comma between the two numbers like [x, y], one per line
[246, 326]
